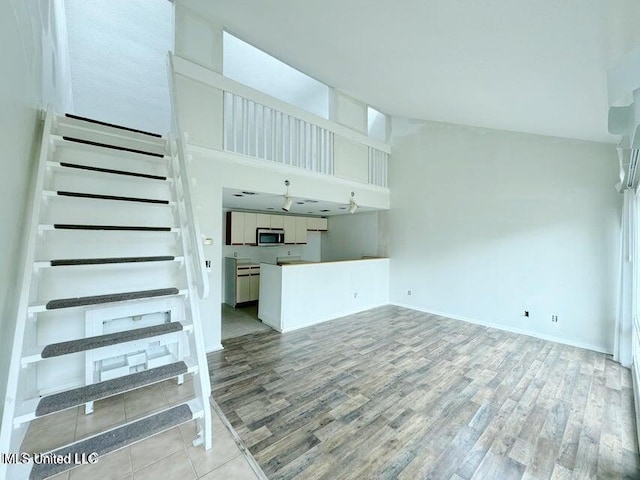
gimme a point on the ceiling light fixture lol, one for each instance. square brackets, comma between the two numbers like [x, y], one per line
[287, 199]
[353, 206]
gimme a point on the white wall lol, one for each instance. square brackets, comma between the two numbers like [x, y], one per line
[118, 51]
[350, 237]
[21, 27]
[298, 296]
[485, 224]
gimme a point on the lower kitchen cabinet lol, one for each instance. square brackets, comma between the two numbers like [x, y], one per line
[242, 282]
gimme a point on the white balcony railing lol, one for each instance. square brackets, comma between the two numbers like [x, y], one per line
[253, 129]
[260, 126]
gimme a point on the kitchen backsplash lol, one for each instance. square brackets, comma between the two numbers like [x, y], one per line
[311, 251]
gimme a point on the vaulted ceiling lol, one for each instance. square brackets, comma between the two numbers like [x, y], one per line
[522, 65]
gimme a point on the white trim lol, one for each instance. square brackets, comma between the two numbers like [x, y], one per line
[254, 162]
[209, 77]
[216, 348]
[10, 438]
[507, 328]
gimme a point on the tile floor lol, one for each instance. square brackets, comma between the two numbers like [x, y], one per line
[168, 455]
[240, 321]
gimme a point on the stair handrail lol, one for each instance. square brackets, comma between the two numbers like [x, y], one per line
[199, 266]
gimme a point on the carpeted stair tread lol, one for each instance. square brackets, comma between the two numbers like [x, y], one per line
[111, 197]
[101, 261]
[113, 147]
[116, 439]
[112, 171]
[130, 228]
[110, 298]
[112, 125]
[90, 343]
[89, 393]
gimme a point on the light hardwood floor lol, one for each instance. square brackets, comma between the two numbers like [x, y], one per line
[395, 393]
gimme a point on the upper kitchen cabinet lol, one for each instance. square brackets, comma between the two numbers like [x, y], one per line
[301, 230]
[250, 226]
[317, 224]
[235, 228]
[289, 229]
[242, 227]
[277, 221]
[263, 220]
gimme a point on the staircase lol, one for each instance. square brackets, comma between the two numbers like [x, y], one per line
[108, 304]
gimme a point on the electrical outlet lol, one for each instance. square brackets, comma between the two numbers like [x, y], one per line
[554, 318]
[355, 294]
[288, 252]
[526, 313]
[408, 293]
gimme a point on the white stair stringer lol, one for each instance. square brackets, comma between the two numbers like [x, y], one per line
[112, 243]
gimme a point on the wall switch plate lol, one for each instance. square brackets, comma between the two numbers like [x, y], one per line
[408, 293]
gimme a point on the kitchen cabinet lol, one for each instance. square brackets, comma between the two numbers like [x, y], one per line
[289, 223]
[250, 226]
[242, 281]
[242, 226]
[235, 228]
[316, 224]
[277, 221]
[301, 230]
[243, 288]
[254, 287]
[263, 220]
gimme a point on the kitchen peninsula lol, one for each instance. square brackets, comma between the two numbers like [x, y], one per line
[300, 294]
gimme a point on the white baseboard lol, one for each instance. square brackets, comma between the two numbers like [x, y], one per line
[507, 328]
[216, 348]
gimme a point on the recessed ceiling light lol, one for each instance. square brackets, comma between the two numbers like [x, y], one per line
[299, 203]
[325, 210]
[250, 193]
[238, 195]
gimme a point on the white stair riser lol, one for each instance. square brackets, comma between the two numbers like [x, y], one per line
[74, 180]
[68, 282]
[105, 212]
[68, 123]
[87, 155]
[91, 244]
[96, 136]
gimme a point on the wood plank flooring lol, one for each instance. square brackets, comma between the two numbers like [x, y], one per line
[395, 393]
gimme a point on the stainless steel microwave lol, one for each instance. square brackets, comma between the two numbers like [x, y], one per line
[270, 237]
